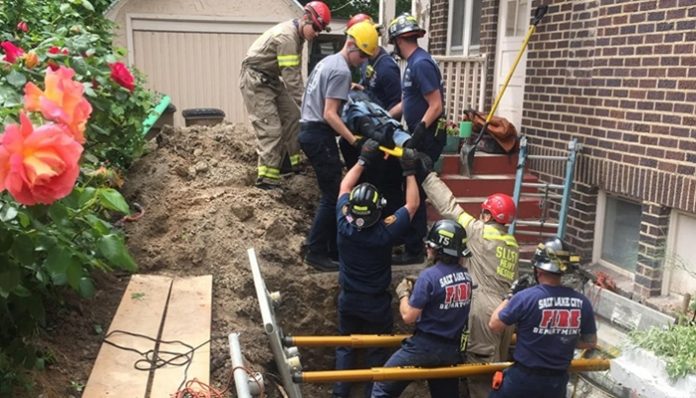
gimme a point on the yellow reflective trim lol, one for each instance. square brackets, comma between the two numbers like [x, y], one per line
[288, 57]
[446, 233]
[465, 219]
[288, 64]
[374, 197]
[360, 208]
[491, 233]
[295, 160]
[268, 172]
[288, 60]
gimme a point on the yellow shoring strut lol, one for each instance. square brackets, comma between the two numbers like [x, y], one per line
[416, 373]
[353, 340]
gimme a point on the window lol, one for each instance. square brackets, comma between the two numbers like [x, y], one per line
[617, 233]
[464, 27]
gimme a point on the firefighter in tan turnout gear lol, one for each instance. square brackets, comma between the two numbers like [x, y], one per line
[493, 266]
[272, 88]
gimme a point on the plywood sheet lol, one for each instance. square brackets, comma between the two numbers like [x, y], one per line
[188, 319]
[140, 311]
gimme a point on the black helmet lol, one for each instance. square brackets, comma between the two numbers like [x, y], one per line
[553, 256]
[365, 206]
[404, 25]
[448, 237]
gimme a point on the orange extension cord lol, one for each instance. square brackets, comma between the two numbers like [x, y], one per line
[197, 389]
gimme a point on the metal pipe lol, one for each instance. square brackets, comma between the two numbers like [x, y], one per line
[353, 340]
[542, 185]
[529, 223]
[413, 373]
[285, 365]
[241, 378]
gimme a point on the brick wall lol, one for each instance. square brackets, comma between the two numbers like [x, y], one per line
[438, 27]
[620, 75]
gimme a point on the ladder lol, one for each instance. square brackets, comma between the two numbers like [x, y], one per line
[544, 190]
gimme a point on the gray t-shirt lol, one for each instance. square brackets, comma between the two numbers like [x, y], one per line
[330, 79]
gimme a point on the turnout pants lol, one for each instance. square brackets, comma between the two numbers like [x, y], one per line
[276, 120]
[520, 381]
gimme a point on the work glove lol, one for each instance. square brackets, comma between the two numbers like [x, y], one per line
[358, 144]
[369, 153]
[520, 284]
[409, 162]
[418, 137]
[404, 288]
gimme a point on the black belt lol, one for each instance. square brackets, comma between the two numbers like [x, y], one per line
[541, 371]
[315, 125]
[436, 338]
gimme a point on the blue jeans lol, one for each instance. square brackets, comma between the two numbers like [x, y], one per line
[422, 350]
[318, 142]
[520, 382]
[353, 322]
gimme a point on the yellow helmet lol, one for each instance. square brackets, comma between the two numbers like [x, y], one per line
[365, 35]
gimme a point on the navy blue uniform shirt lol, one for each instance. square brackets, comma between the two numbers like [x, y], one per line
[381, 78]
[421, 77]
[365, 255]
[549, 319]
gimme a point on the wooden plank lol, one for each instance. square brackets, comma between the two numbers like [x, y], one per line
[188, 319]
[140, 311]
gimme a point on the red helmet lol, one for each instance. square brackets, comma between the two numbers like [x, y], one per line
[320, 14]
[501, 206]
[358, 18]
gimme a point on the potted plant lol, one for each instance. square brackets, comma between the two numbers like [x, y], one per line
[453, 139]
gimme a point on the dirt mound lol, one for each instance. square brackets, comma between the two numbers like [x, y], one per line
[202, 213]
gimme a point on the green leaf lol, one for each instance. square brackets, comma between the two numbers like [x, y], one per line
[64, 8]
[74, 274]
[16, 79]
[113, 200]
[8, 213]
[99, 226]
[86, 195]
[112, 248]
[23, 249]
[24, 219]
[58, 213]
[57, 263]
[86, 287]
[86, 4]
[9, 97]
[9, 280]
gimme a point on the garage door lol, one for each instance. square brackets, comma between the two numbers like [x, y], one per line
[196, 62]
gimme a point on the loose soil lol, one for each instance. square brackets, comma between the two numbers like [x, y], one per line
[202, 213]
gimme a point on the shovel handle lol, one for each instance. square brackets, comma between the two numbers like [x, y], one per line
[539, 13]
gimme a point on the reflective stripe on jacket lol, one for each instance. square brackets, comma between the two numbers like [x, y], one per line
[278, 54]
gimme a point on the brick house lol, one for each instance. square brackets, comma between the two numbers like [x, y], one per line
[620, 76]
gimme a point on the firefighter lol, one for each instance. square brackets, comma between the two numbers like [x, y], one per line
[380, 80]
[422, 106]
[272, 88]
[552, 321]
[438, 303]
[327, 89]
[493, 265]
[364, 247]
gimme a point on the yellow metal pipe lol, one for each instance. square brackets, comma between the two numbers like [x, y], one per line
[416, 373]
[353, 340]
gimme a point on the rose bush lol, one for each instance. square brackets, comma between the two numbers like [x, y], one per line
[71, 118]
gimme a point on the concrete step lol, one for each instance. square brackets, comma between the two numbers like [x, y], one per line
[483, 185]
[484, 163]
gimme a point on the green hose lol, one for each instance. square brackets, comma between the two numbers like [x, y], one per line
[155, 114]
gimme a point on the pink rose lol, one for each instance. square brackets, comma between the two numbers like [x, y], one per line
[122, 76]
[62, 101]
[22, 27]
[12, 52]
[38, 166]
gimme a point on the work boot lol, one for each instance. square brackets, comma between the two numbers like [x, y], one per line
[407, 258]
[267, 183]
[321, 262]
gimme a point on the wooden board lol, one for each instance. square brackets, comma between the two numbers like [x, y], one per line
[140, 311]
[188, 319]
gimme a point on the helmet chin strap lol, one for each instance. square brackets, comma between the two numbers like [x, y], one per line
[536, 273]
[397, 51]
